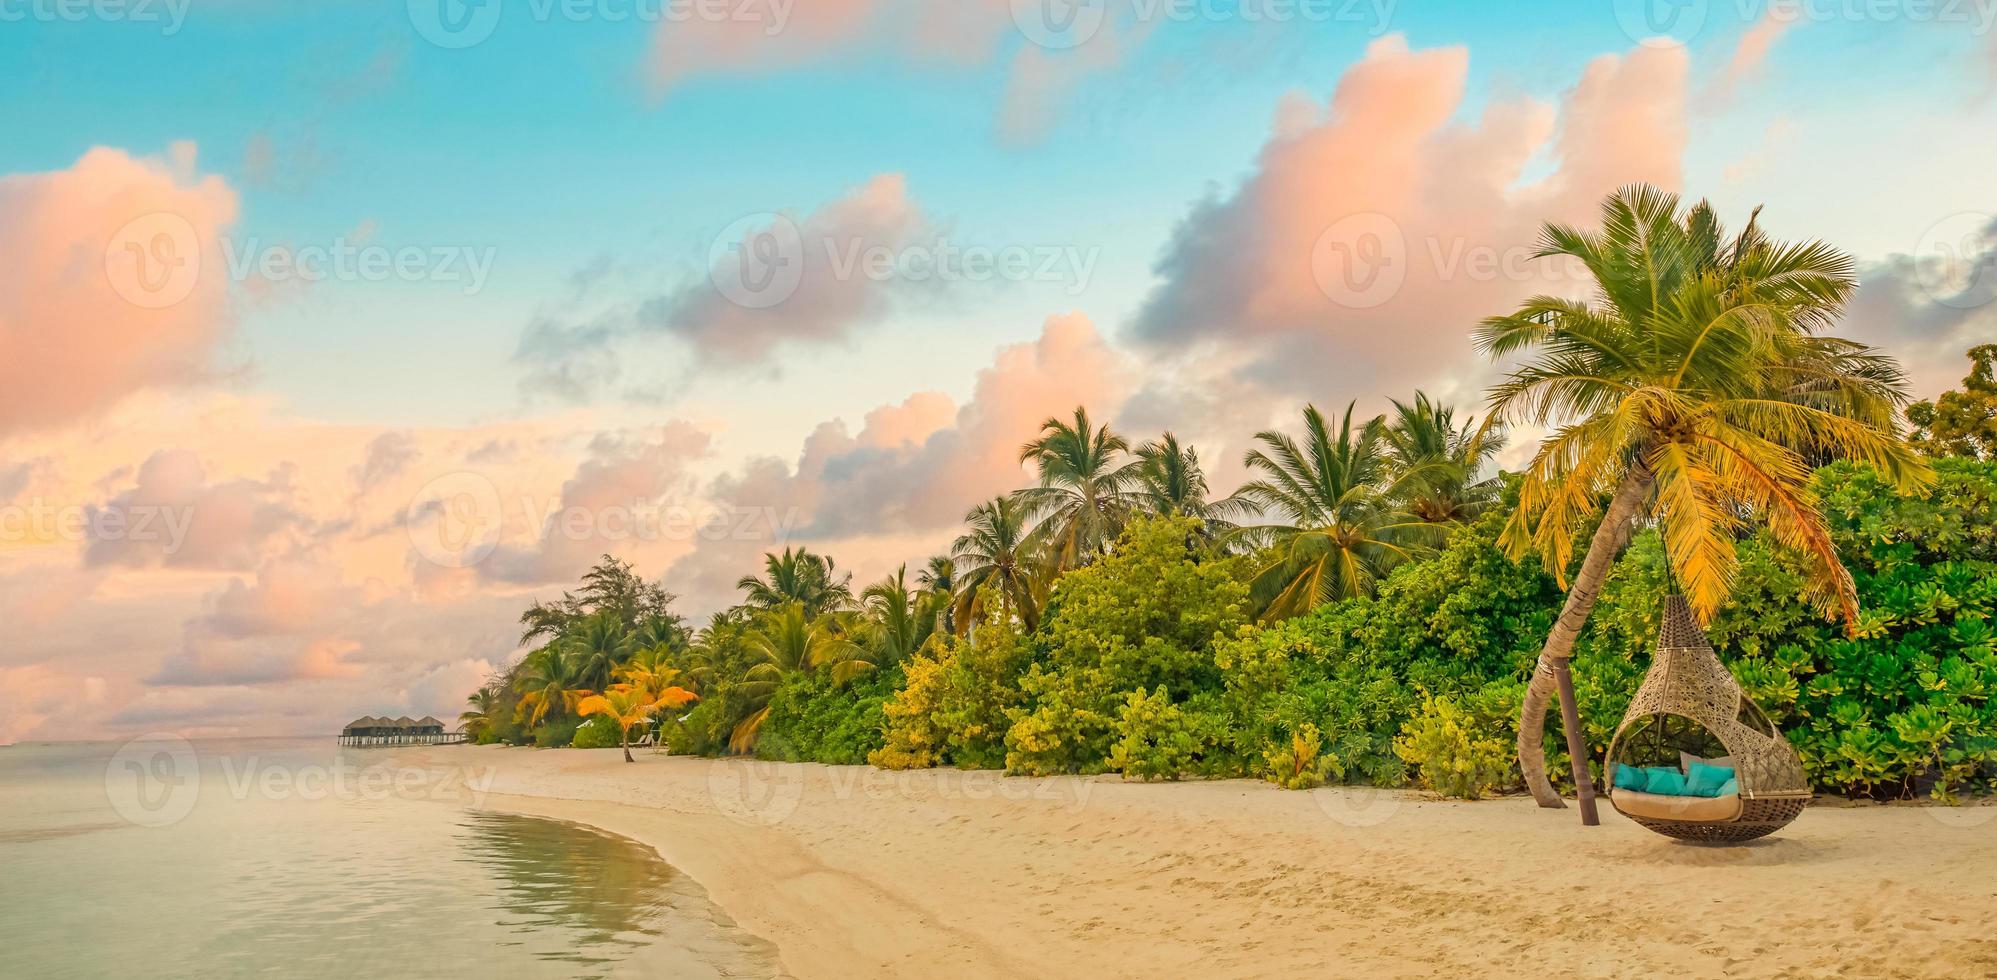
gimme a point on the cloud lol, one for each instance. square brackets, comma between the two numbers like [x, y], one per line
[1374, 233]
[388, 455]
[774, 281]
[1927, 308]
[784, 36]
[1756, 42]
[172, 517]
[916, 466]
[112, 280]
[625, 497]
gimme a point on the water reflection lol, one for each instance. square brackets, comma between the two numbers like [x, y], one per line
[596, 889]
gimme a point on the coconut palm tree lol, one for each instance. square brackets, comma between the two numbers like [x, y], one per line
[485, 706]
[798, 576]
[1086, 488]
[1439, 462]
[939, 579]
[994, 553]
[597, 644]
[1338, 502]
[789, 640]
[551, 681]
[630, 705]
[1170, 481]
[1697, 388]
[898, 620]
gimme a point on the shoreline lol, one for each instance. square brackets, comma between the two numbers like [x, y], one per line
[858, 872]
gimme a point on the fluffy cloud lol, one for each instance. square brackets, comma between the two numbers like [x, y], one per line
[627, 498]
[1927, 308]
[774, 281]
[173, 517]
[1374, 233]
[914, 467]
[111, 280]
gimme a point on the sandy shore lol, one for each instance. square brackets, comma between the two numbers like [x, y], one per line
[854, 872]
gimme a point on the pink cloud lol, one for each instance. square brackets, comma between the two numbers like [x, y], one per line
[173, 517]
[1758, 40]
[852, 488]
[961, 32]
[1371, 238]
[111, 281]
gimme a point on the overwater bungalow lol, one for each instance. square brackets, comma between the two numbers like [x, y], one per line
[369, 730]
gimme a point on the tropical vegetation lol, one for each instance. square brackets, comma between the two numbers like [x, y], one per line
[1372, 604]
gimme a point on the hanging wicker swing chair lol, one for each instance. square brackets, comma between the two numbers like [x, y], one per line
[1690, 708]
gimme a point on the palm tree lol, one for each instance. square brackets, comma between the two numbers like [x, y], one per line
[789, 640]
[994, 553]
[484, 713]
[939, 579]
[1085, 492]
[1439, 462]
[798, 576]
[1337, 498]
[1171, 482]
[597, 644]
[630, 705]
[899, 620]
[551, 681]
[1696, 382]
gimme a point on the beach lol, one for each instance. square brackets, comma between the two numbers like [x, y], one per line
[857, 872]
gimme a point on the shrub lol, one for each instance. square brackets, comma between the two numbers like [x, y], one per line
[816, 719]
[1452, 752]
[1142, 619]
[1299, 763]
[597, 733]
[555, 733]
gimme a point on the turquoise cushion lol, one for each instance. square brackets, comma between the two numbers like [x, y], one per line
[1705, 780]
[1664, 781]
[1729, 788]
[1630, 777]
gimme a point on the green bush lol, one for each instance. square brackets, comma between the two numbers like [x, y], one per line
[1452, 751]
[597, 733]
[814, 719]
[955, 707]
[1142, 619]
[555, 733]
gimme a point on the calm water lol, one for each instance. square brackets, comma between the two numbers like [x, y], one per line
[296, 858]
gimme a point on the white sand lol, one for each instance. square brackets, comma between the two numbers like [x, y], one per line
[853, 872]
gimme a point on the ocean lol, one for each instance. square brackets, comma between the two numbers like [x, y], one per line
[302, 858]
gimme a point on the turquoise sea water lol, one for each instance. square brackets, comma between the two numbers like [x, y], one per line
[296, 858]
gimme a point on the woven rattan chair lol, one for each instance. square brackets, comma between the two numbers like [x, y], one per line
[1687, 683]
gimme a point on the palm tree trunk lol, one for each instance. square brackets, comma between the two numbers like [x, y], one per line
[1551, 674]
[624, 739]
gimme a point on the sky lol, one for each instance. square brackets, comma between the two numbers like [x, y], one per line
[333, 334]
